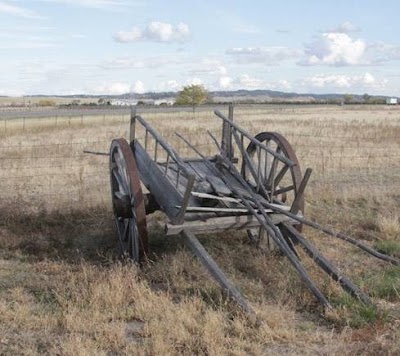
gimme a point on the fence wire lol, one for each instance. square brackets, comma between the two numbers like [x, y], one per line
[43, 164]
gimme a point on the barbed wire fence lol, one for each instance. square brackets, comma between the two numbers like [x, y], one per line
[43, 165]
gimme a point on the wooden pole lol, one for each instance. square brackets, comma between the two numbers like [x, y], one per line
[132, 125]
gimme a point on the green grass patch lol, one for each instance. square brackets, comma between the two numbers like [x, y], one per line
[388, 247]
[385, 284]
[355, 313]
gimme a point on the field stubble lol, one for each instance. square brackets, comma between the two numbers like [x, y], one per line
[62, 291]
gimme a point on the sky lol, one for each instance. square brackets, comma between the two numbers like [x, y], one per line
[63, 47]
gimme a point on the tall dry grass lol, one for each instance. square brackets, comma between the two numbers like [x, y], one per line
[63, 292]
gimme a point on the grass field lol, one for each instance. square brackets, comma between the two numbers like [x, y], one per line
[62, 290]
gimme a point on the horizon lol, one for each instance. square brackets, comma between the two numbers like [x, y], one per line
[116, 47]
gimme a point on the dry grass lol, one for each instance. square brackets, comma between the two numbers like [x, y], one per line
[63, 292]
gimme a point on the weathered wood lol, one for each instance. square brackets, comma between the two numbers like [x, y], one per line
[185, 202]
[207, 261]
[219, 224]
[218, 185]
[215, 197]
[226, 142]
[299, 194]
[339, 235]
[249, 164]
[252, 139]
[322, 262]
[156, 182]
[165, 145]
[219, 210]
[96, 153]
[266, 223]
[132, 124]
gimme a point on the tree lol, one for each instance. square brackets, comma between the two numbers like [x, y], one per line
[348, 98]
[366, 98]
[192, 95]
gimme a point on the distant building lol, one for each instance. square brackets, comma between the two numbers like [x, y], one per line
[123, 102]
[167, 102]
[391, 101]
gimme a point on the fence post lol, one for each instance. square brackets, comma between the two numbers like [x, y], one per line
[5, 124]
[23, 124]
[132, 125]
[226, 143]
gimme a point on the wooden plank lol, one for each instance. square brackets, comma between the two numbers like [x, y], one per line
[225, 223]
[218, 210]
[215, 197]
[218, 185]
[166, 195]
[185, 202]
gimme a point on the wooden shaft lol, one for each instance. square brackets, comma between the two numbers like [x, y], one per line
[267, 224]
[322, 262]
[216, 272]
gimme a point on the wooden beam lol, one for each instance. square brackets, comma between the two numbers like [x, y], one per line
[185, 202]
[325, 265]
[206, 209]
[197, 248]
[224, 223]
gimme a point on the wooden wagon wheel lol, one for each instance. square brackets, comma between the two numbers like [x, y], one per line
[280, 180]
[128, 202]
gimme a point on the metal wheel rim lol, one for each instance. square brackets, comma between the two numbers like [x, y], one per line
[128, 202]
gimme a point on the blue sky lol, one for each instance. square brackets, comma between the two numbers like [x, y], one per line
[118, 46]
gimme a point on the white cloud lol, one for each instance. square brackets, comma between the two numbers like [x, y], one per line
[248, 82]
[368, 78]
[342, 81]
[155, 31]
[336, 49]
[225, 82]
[345, 27]
[137, 87]
[208, 67]
[112, 89]
[14, 10]
[264, 55]
[169, 85]
[194, 81]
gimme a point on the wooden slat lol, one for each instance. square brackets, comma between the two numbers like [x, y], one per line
[219, 224]
[159, 185]
[218, 185]
[218, 210]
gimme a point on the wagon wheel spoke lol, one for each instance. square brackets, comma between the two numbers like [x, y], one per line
[128, 202]
[279, 179]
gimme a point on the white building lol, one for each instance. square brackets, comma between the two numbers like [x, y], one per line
[123, 102]
[391, 101]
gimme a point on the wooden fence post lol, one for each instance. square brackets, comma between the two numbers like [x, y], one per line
[132, 125]
[226, 144]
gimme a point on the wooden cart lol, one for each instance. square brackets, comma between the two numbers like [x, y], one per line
[262, 192]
